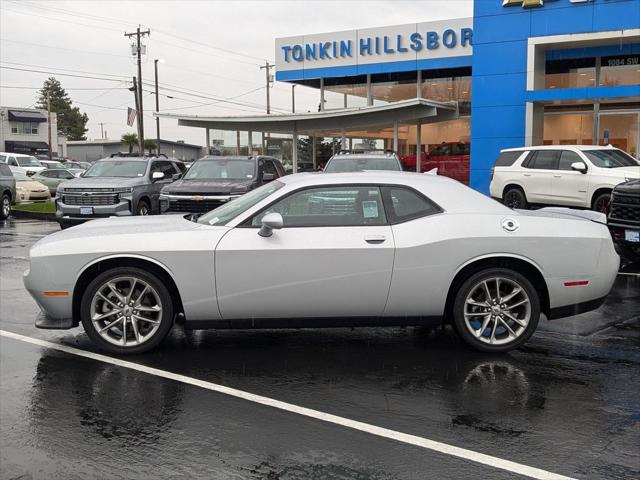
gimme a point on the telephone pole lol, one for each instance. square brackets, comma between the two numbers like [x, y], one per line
[155, 68]
[102, 130]
[267, 67]
[139, 34]
[49, 123]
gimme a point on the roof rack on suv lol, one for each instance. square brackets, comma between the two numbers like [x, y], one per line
[134, 154]
[352, 151]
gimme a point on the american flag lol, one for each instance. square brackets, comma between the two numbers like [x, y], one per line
[131, 116]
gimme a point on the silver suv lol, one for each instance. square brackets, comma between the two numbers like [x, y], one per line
[117, 186]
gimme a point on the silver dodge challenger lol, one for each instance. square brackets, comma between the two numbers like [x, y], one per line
[327, 250]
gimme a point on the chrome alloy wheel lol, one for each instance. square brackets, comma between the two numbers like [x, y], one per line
[6, 206]
[497, 310]
[126, 311]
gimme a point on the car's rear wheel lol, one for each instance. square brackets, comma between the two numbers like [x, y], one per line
[496, 310]
[127, 310]
[514, 197]
[5, 207]
[143, 208]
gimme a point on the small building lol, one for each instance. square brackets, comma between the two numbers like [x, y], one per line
[92, 150]
[25, 130]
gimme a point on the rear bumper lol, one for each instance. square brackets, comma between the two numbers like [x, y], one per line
[576, 309]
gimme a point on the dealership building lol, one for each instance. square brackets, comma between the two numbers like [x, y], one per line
[520, 72]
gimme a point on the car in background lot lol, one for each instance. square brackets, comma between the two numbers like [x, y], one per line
[7, 191]
[51, 163]
[78, 165]
[567, 175]
[624, 219]
[213, 181]
[52, 177]
[28, 189]
[327, 250]
[450, 158]
[115, 186]
[28, 162]
[360, 160]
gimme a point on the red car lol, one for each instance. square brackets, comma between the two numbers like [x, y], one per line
[450, 158]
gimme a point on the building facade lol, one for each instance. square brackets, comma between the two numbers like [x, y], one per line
[25, 130]
[519, 72]
[92, 150]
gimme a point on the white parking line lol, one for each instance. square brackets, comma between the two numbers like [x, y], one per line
[433, 445]
[37, 235]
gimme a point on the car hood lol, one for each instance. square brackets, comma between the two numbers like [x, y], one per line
[632, 186]
[102, 182]
[621, 172]
[125, 235]
[31, 185]
[33, 169]
[206, 186]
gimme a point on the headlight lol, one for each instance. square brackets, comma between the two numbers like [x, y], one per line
[21, 189]
[123, 190]
[239, 191]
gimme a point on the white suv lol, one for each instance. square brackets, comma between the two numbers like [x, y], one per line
[28, 162]
[568, 175]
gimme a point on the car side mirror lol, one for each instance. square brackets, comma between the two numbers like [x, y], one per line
[157, 176]
[176, 176]
[579, 167]
[267, 177]
[271, 221]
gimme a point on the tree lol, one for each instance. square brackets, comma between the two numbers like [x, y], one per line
[71, 122]
[130, 139]
[150, 145]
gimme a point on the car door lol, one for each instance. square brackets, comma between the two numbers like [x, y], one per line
[537, 173]
[570, 186]
[46, 177]
[332, 258]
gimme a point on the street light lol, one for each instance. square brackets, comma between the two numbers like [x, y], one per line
[155, 68]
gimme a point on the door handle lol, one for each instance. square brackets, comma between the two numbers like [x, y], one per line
[526, 174]
[375, 239]
[557, 176]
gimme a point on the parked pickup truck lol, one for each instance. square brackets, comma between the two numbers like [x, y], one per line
[624, 219]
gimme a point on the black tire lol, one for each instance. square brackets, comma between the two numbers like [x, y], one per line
[465, 290]
[5, 206]
[514, 197]
[166, 321]
[143, 208]
[600, 203]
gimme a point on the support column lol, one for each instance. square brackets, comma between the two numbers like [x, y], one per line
[314, 152]
[369, 92]
[237, 142]
[418, 146]
[294, 148]
[322, 94]
[395, 137]
[345, 100]
[343, 140]
[250, 142]
[264, 144]
[207, 150]
[419, 84]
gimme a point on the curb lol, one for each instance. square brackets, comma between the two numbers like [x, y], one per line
[50, 217]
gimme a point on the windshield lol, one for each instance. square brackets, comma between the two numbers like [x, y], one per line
[610, 158]
[117, 168]
[359, 164]
[53, 164]
[20, 176]
[231, 210]
[236, 169]
[28, 162]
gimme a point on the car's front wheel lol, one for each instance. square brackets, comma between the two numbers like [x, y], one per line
[514, 198]
[496, 310]
[127, 310]
[5, 208]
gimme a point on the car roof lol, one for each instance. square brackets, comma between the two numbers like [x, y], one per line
[560, 147]
[16, 154]
[133, 159]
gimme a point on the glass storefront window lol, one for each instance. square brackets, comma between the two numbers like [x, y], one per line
[355, 89]
[568, 128]
[393, 87]
[573, 73]
[620, 70]
[620, 130]
[456, 86]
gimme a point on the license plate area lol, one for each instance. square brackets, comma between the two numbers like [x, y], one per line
[632, 236]
[86, 210]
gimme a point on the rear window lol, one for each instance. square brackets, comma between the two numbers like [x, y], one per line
[543, 160]
[346, 163]
[5, 171]
[506, 159]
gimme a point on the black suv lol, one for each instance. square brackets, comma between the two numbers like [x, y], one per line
[624, 219]
[212, 181]
[116, 186]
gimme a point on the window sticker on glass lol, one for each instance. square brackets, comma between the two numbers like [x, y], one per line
[370, 209]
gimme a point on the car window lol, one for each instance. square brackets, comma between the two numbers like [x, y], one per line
[612, 158]
[460, 149]
[269, 167]
[544, 160]
[13, 162]
[506, 159]
[181, 167]
[46, 174]
[3, 158]
[5, 171]
[235, 168]
[348, 163]
[567, 157]
[164, 167]
[65, 174]
[405, 204]
[336, 206]
[441, 150]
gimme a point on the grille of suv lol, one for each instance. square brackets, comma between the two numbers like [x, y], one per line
[90, 200]
[193, 206]
[625, 209]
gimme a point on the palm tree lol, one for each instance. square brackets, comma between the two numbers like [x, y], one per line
[129, 139]
[150, 144]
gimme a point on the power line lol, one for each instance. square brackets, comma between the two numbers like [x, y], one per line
[60, 74]
[40, 45]
[31, 14]
[123, 77]
[66, 88]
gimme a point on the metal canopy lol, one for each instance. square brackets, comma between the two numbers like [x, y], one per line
[26, 116]
[406, 111]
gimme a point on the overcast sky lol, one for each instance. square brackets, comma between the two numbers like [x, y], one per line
[194, 38]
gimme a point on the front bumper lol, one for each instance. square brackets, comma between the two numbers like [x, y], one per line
[70, 214]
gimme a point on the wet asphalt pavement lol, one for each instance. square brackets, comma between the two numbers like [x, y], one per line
[567, 402]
